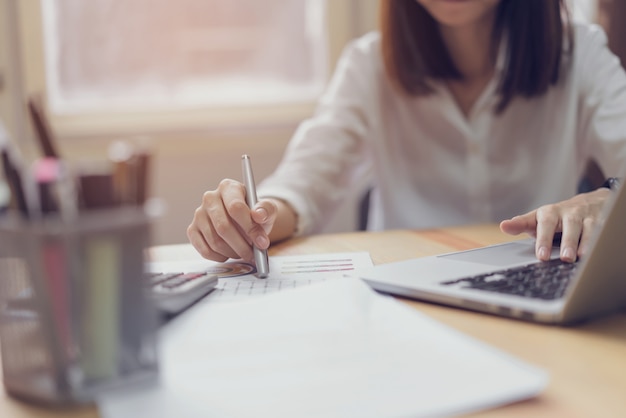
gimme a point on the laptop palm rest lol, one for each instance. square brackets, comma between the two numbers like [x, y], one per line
[504, 255]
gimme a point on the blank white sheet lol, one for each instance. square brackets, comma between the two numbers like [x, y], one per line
[332, 349]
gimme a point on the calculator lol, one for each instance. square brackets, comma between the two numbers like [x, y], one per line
[172, 293]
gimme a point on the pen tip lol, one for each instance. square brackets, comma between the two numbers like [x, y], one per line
[245, 157]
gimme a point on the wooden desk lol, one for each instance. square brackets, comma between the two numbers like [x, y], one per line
[587, 363]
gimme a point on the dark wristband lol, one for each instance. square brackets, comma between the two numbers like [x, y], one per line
[611, 183]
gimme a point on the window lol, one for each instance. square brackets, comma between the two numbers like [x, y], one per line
[105, 55]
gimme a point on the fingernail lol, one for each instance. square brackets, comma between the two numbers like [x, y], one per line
[568, 254]
[262, 242]
[543, 253]
[263, 213]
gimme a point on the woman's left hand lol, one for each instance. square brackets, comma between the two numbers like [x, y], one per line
[575, 219]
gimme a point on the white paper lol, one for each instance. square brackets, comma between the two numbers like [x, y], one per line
[286, 272]
[332, 349]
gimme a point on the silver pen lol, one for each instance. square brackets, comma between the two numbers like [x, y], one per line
[260, 256]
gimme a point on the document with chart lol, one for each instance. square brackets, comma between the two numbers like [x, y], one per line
[237, 280]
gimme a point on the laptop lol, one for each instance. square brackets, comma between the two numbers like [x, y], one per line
[508, 280]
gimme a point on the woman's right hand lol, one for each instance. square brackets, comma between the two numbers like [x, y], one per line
[225, 227]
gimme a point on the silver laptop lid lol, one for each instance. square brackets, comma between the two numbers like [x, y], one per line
[599, 287]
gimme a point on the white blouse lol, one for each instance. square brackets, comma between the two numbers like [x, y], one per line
[431, 166]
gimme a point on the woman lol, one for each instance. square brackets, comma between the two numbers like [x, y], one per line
[459, 111]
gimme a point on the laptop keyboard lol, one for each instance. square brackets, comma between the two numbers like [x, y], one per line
[541, 280]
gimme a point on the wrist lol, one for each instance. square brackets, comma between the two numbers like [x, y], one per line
[611, 183]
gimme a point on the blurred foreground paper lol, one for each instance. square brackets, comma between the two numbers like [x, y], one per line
[332, 349]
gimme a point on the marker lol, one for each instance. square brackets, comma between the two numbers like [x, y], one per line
[260, 256]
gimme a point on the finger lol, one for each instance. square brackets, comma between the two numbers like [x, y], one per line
[209, 240]
[243, 231]
[226, 236]
[217, 229]
[589, 226]
[572, 227]
[234, 203]
[200, 228]
[547, 223]
[196, 238]
[249, 221]
[526, 223]
[265, 213]
[260, 237]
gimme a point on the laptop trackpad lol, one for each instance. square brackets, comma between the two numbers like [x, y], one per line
[518, 252]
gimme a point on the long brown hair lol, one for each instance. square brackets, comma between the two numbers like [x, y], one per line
[537, 32]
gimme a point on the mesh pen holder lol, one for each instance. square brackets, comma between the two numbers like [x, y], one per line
[74, 317]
